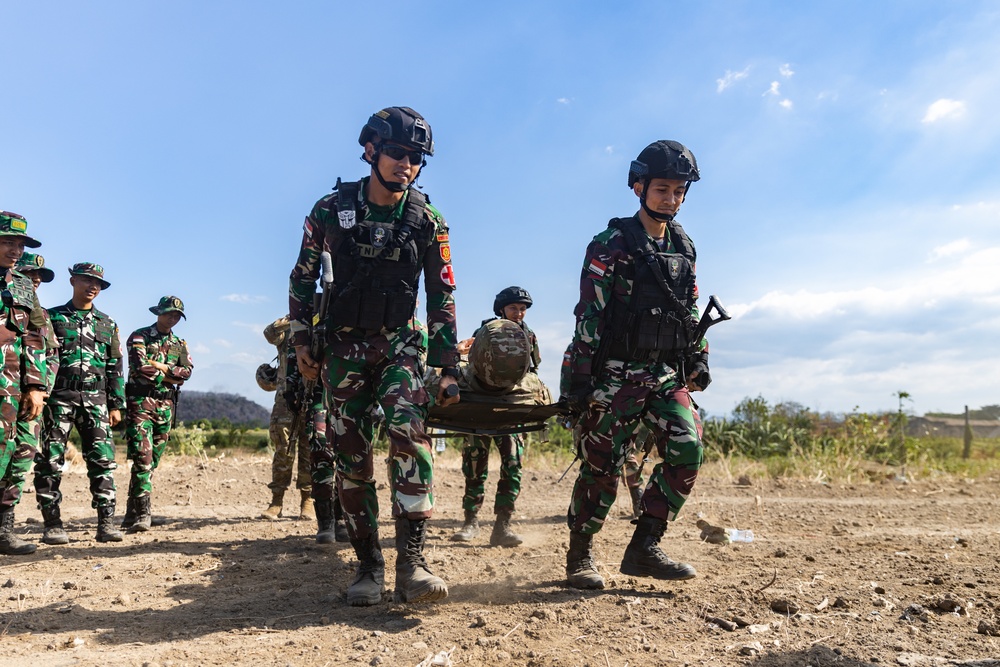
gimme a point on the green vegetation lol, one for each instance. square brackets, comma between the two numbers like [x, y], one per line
[759, 440]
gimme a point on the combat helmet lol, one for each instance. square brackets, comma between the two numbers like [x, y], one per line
[509, 295]
[267, 377]
[400, 125]
[662, 159]
[500, 355]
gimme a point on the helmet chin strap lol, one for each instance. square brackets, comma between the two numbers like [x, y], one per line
[388, 185]
[663, 217]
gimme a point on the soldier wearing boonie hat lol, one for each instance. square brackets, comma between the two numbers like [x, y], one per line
[33, 266]
[22, 373]
[12, 224]
[159, 363]
[89, 393]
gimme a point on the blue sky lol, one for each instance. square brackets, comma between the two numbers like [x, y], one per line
[848, 213]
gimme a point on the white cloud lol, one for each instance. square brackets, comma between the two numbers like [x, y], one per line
[774, 89]
[730, 78]
[786, 70]
[785, 104]
[222, 342]
[251, 326]
[243, 298]
[200, 348]
[609, 149]
[246, 358]
[563, 100]
[944, 109]
[949, 249]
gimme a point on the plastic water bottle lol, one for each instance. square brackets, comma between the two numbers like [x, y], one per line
[738, 535]
[439, 444]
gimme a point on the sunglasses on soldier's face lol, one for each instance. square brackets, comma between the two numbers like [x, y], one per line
[397, 153]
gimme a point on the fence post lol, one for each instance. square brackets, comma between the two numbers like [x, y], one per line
[967, 446]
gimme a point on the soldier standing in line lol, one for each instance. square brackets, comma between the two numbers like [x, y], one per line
[511, 303]
[382, 234]
[159, 363]
[89, 393]
[23, 376]
[288, 445]
[634, 360]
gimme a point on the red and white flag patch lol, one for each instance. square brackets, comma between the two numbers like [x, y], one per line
[598, 267]
[447, 275]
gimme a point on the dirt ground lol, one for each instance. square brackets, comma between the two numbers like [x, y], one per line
[879, 572]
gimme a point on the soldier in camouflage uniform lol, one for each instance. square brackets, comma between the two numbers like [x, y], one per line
[634, 361]
[23, 377]
[89, 393]
[511, 304]
[284, 418]
[159, 363]
[382, 234]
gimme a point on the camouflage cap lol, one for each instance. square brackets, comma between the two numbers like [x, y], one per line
[90, 269]
[12, 224]
[30, 262]
[168, 304]
[500, 354]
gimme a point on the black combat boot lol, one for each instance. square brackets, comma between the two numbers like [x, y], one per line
[106, 531]
[339, 523]
[635, 493]
[143, 515]
[369, 582]
[469, 530]
[581, 572]
[502, 535]
[414, 580]
[11, 544]
[54, 532]
[644, 558]
[129, 519]
[324, 521]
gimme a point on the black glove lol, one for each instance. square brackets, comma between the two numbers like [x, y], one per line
[580, 394]
[293, 392]
[698, 363]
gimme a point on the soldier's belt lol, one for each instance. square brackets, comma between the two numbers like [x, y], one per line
[148, 391]
[77, 383]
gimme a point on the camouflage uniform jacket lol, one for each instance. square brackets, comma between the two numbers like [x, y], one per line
[536, 355]
[605, 278]
[150, 344]
[90, 358]
[322, 232]
[22, 336]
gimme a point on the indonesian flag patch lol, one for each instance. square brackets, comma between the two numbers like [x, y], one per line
[447, 275]
[598, 267]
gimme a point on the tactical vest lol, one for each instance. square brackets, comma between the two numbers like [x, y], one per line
[377, 265]
[656, 324]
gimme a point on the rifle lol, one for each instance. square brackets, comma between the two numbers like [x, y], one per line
[315, 348]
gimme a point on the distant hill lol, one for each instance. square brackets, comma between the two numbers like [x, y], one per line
[195, 405]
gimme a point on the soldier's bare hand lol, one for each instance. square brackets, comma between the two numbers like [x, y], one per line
[442, 400]
[32, 403]
[114, 416]
[308, 367]
[465, 345]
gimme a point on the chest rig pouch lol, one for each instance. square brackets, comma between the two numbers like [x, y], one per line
[377, 264]
[656, 325]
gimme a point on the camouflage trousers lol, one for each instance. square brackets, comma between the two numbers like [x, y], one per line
[356, 388]
[16, 460]
[98, 450]
[147, 430]
[290, 447]
[475, 467]
[608, 431]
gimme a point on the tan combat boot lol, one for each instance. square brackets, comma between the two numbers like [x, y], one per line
[274, 509]
[306, 511]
